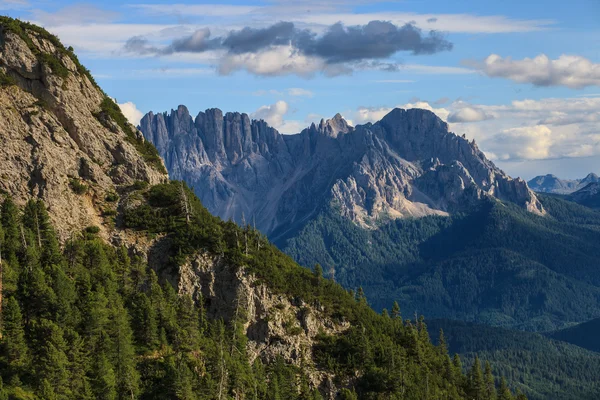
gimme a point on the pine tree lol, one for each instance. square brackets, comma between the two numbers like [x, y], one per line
[105, 381]
[13, 337]
[50, 357]
[396, 311]
[318, 271]
[476, 381]
[3, 392]
[504, 392]
[490, 385]
[127, 383]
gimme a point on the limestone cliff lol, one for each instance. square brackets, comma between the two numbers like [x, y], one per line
[406, 165]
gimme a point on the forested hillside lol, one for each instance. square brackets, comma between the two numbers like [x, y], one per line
[498, 265]
[541, 367]
[89, 321]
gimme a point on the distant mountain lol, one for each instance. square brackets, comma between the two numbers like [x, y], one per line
[497, 265]
[588, 196]
[583, 335]
[406, 165]
[403, 208]
[552, 184]
[541, 367]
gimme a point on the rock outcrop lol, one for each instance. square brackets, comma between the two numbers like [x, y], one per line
[406, 165]
[552, 184]
[55, 144]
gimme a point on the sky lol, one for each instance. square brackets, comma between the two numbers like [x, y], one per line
[521, 78]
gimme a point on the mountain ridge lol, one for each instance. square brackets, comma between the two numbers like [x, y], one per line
[552, 184]
[407, 164]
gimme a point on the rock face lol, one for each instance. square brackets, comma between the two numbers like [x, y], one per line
[276, 326]
[408, 164]
[52, 140]
[552, 184]
[588, 196]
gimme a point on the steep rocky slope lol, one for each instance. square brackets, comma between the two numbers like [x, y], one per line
[57, 138]
[588, 195]
[552, 184]
[407, 164]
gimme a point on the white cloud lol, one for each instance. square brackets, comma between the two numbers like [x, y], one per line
[131, 112]
[528, 142]
[572, 71]
[273, 114]
[469, 114]
[275, 61]
[526, 129]
[300, 92]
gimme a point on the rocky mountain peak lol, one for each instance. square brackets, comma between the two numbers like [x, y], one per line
[334, 126]
[406, 165]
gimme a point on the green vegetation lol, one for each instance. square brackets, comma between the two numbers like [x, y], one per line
[499, 265]
[6, 80]
[78, 187]
[112, 197]
[21, 29]
[540, 367]
[109, 110]
[389, 355]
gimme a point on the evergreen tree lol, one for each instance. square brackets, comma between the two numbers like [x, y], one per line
[14, 346]
[396, 311]
[504, 392]
[127, 382]
[3, 392]
[51, 358]
[104, 380]
[476, 381]
[490, 385]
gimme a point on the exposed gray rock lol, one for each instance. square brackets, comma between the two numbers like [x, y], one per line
[552, 184]
[406, 165]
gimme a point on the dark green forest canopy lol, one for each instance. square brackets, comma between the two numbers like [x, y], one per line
[86, 320]
[541, 367]
[498, 265]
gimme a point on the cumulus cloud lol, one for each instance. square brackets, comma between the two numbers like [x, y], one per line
[528, 142]
[131, 112]
[469, 114]
[283, 48]
[273, 114]
[526, 129]
[572, 71]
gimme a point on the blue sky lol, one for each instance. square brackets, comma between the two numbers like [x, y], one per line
[522, 78]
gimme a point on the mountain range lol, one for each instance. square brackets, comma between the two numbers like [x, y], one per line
[552, 184]
[403, 208]
[406, 165]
